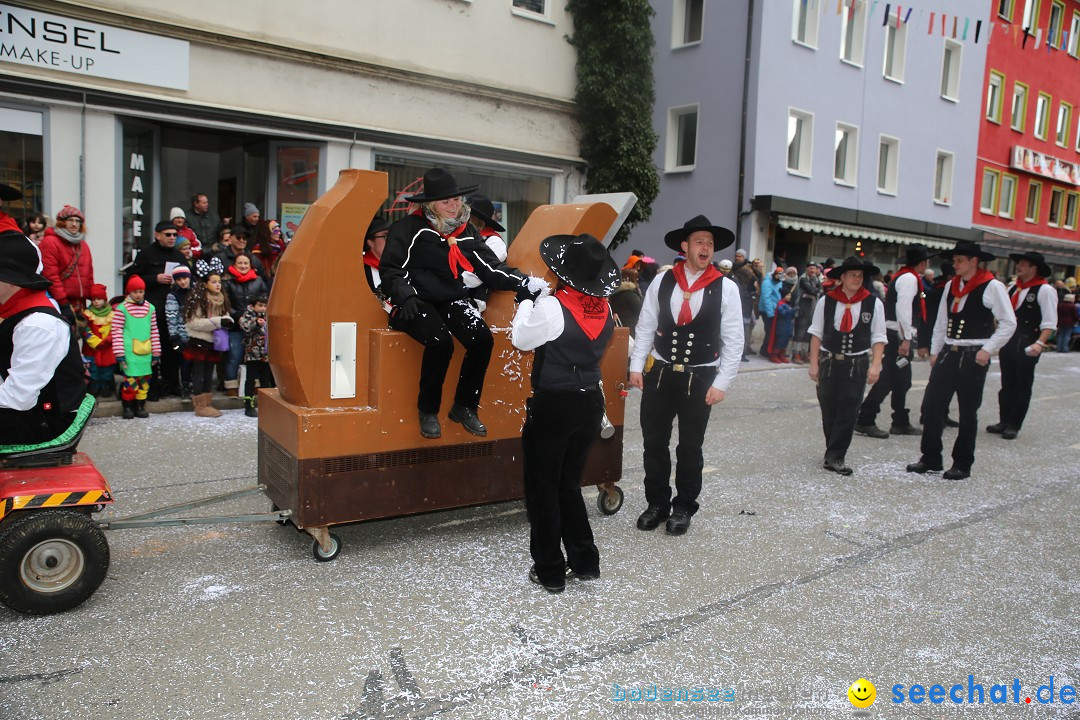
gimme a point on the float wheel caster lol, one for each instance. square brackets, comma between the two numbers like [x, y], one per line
[329, 553]
[610, 499]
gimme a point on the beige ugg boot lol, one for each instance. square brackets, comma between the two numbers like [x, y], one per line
[203, 408]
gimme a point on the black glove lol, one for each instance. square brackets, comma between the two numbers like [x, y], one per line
[409, 309]
[68, 313]
[524, 293]
[227, 322]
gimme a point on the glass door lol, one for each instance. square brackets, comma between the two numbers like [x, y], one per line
[298, 179]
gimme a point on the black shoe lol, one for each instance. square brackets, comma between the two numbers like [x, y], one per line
[140, 409]
[652, 517]
[905, 430]
[249, 409]
[955, 473]
[129, 409]
[949, 422]
[467, 418]
[871, 431]
[571, 574]
[837, 466]
[1009, 434]
[922, 467]
[678, 523]
[745, 359]
[550, 588]
[996, 428]
[185, 391]
[429, 426]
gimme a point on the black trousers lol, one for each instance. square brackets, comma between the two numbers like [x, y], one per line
[841, 384]
[257, 370]
[436, 332]
[893, 379]
[954, 372]
[1017, 378]
[768, 323]
[29, 427]
[560, 427]
[669, 395]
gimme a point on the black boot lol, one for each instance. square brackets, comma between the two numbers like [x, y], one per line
[185, 391]
[140, 409]
[129, 409]
[249, 408]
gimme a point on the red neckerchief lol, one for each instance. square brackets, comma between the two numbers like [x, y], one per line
[710, 274]
[837, 294]
[922, 298]
[981, 277]
[1020, 285]
[456, 258]
[590, 313]
[370, 260]
[24, 299]
[8, 223]
[243, 277]
[488, 232]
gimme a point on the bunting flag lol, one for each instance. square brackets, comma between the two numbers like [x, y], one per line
[839, 6]
[851, 10]
[966, 21]
[954, 19]
[1038, 38]
[885, 20]
[873, 7]
[1065, 40]
[1023, 45]
[943, 16]
[908, 16]
[978, 29]
[930, 30]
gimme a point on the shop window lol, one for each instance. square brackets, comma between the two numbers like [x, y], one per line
[1064, 121]
[1042, 116]
[993, 96]
[687, 22]
[895, 48]
[297, 184]
[682, 139]
[1019, 106]
[943, 177]
[1007, 201]
[845, 164]
[1071, 201]
[1030, 18]
[853, 32]
[991, 182]
[22, 160]
[1034, 197]
[1005, 9]
[950, 70]
[804, 22]
[1057, 199]
[1057, 23]
[800, 138]
[888, 165]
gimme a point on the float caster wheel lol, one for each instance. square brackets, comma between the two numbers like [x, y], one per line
[333, 543]
[610, 499]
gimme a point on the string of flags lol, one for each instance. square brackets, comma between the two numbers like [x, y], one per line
[958, 27]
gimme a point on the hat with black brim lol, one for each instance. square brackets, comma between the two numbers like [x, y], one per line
[583, 263]
[917, 253]
[8, 193]
[19, 262]
[1036, 259]
[722, 237]
[440, 185]
[869, 270]
[967, 249]
[483, 208]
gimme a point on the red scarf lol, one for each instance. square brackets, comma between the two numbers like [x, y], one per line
[1020, 285]
[922, 297]
[8, 223]
[488, 232]
[370, 260]
[590, 313]
[981, 277]
[847, 322]
[24, 299]
[242, 277]
[710, 274]
[456, 258]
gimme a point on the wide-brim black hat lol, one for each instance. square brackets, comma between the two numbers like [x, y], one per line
[583, 263]
[967, 249]
[8, 193]
[722, 237]
[440, 185]
[19, 261]
[916, 253]
[1036, 259]
[378, 224]
[853, 262]
[483, 208]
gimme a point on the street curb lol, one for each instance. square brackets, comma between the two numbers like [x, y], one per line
[111, 407]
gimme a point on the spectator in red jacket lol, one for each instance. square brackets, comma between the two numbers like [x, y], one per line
[67, 263]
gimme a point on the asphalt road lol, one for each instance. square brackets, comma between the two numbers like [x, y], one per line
[791, 584]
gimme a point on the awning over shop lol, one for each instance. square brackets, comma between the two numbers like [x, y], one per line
[1056, 252]
[859, 232]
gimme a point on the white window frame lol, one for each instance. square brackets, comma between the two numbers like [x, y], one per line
[1030, 16]
[1072, 201]
[858, 28]
[1054, 38]
[1011, 11]
[810, 39]
[675, 115]
[679, 19]
[1018, 126]
[1034, 187]
[1061, 133]
[1057, 197]
[1042, 108]
[943, 184]
[995, 192]
[995, 89]
[950, 74]
[892, 168]
[1009, 211]
[544, 17]
[806, 144]
[1074, 35]
[851, 160]
[896, 48]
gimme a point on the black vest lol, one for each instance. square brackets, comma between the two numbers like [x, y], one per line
[1028, 315]
[916, 304]
[697, 342]
[571, 361]
[849, 343]
[65, 392]
[974, 322]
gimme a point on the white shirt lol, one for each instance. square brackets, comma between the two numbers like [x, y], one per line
[877, 322]
[996, 299]
[40, 342]
[1047, 300]
[731, 326]
[907, 287]
[536, 323]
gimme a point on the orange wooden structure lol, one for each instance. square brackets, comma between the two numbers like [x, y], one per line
[339, 439]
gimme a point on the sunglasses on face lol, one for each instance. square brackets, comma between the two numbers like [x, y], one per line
[169, 234]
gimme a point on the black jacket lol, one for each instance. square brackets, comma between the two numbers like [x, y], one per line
[240, 293]
[149, 263]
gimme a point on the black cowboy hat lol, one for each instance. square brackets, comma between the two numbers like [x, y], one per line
[722, 237]
[378, 224]
[869, 270]
[967, 249]
[440, 185]
[916, 253]
[19, 262]
[8, 193]
[583, 263]
[1036, 259]
[483, 208]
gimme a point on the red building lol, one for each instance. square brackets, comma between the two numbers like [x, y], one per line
[1028, 184]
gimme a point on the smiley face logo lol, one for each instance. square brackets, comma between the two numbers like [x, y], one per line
[862, 693]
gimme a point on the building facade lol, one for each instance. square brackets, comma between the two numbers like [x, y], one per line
[127, 109]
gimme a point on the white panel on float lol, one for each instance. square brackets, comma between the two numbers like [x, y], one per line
[342, 360]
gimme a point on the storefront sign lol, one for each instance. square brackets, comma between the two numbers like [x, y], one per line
[41, 40]
[137, 192]
[1038, 163]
